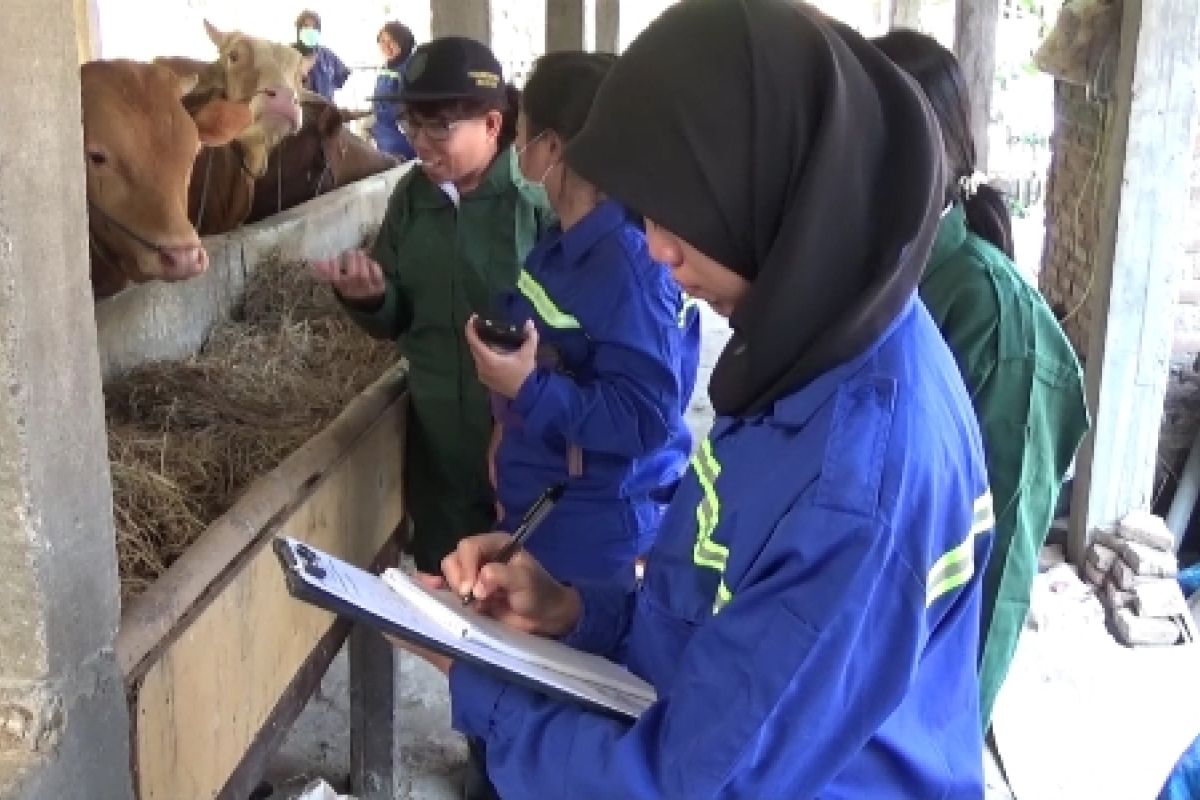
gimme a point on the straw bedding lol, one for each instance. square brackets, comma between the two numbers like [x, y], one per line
[186, 438]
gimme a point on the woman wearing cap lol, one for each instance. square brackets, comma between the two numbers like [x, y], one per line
[396, 43]
[1018, 365]
[810, 609]
[595, 398]
[325, 71]
[455, 233]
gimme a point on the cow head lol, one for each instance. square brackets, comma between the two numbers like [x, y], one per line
[139, 146]
[264, 74]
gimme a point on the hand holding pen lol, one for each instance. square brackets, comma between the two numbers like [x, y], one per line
[529, 523]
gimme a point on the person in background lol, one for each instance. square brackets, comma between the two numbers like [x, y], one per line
[595, 398]
[327, 73]
[810, 611]
[396, 43]
[1018, 365]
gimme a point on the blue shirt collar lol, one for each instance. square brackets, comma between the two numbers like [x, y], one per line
[796, 409]
[597, 224]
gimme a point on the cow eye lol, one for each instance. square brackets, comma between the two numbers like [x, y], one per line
[97, 158]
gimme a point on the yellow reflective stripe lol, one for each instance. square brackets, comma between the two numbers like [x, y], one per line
[723, 597]
[389, 73]
[957, 566]
[542, 303]
[689, 303]
[706, 552]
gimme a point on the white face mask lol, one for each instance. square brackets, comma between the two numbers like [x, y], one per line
[521, 152]
[310, 37]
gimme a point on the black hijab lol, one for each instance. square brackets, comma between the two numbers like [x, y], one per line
[784, 146]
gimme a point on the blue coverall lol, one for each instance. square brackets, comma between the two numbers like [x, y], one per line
[386, 108]
[603, 412]
[810, 613]
[328, 73]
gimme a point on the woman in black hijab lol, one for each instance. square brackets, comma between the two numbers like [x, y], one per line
[809, 615]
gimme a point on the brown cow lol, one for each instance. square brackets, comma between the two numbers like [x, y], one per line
[139, 144]
[321, 157]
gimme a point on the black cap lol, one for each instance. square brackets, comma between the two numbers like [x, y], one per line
[454, 68]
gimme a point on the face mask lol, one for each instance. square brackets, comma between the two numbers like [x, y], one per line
[521, 152]
[310, 37]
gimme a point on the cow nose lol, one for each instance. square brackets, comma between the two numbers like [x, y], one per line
[280, 101]
[179, 263]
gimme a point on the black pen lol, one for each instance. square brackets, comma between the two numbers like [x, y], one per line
[533, 518]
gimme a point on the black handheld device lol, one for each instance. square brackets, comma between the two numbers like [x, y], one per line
[500, 335]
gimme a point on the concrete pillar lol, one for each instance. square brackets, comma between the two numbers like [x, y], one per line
[64, 729]
[906, 14]
[608, 26]
[565, 26]
[471, 18]
[1150, 129]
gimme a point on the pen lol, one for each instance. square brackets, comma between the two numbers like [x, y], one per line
[529, 523]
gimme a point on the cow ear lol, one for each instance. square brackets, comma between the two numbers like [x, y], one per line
[214, 34]
[220, 121]
[329, 122]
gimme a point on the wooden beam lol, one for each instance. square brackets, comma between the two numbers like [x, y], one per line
[975, 25]
[204, 700]
[1150, 141]
[906, 14]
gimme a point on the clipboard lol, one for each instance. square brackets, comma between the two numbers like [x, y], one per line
[543, 665]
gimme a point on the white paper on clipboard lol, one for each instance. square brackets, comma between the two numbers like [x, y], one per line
[542, 663]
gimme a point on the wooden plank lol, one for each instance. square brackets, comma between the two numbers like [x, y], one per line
[975, 26]
[150, 621]
[1141, 223]
[249, 772]
[204, 698]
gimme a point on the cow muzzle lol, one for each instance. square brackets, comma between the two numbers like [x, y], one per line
[181, 263]
[278, 108]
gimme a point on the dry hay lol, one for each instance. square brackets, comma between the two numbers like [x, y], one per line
[186, 438]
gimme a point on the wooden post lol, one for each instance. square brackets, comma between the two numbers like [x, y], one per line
[374, 743]
[1150, 143]
[975, 46]
[906, 14]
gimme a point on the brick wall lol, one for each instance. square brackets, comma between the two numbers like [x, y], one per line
[1068, 260]
[1068, 255]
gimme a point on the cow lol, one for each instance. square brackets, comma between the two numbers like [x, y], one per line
[140, 143]
[321, 157]
[263, 74]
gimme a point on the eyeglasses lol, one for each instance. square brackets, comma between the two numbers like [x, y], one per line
[438, 130]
